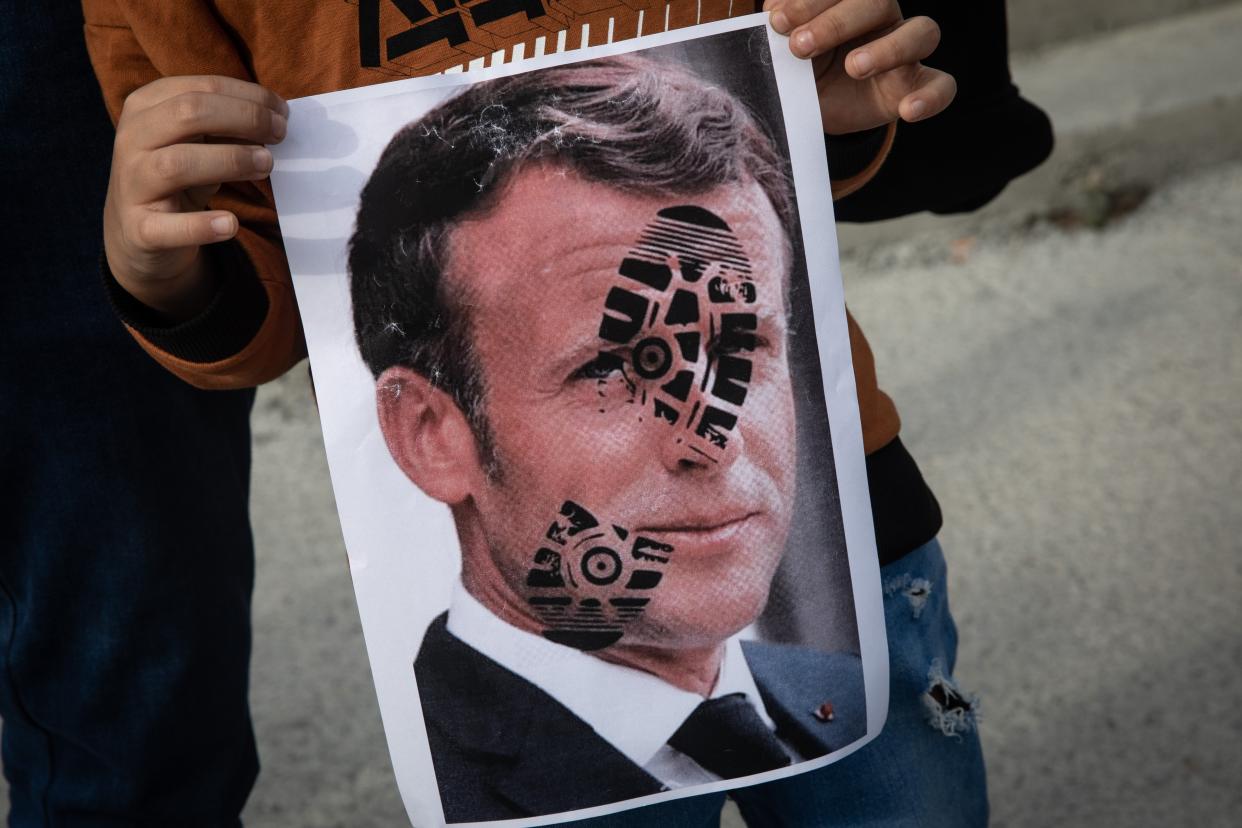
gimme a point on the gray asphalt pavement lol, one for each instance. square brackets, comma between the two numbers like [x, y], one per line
[1069, 370]
[1075, 400]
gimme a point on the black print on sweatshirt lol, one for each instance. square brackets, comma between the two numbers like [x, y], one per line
[591, 578]
[444, 24]
[690, 346]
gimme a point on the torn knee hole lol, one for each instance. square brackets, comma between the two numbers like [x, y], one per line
[916, 590]
[949, 710]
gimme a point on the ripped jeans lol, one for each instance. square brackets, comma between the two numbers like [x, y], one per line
[925, 769]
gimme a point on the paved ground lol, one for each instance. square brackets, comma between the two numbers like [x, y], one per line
[1076, 401]
[1073, 390]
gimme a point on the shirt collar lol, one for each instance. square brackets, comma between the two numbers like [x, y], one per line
[633, 710]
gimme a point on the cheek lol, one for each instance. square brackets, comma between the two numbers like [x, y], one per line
[770, 423]
[553, 454]
[590, 578]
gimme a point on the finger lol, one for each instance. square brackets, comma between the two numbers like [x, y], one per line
[785, 14]
[909, 43]
[169, 170]
[935, 92]
[161, 90]
[842, 23]
[189, 115]
[155, 230]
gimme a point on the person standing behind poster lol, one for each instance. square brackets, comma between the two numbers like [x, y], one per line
[126, 562]
[207, 292]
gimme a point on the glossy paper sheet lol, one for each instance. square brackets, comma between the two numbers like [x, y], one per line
[578, 338]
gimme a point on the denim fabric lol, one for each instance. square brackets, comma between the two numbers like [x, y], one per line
[925, 769]
[126, 563]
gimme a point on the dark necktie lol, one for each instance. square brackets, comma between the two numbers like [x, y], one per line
[727, 737]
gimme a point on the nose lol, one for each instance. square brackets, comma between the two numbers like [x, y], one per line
[707, 439]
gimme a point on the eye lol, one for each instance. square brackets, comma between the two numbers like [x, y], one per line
[602, 367]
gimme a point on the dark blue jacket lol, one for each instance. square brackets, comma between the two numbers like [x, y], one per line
[503, 748]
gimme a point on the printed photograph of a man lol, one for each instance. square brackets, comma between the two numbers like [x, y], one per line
[572, 287]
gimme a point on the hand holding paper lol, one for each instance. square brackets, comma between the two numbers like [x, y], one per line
[165, 166]
[866, 59]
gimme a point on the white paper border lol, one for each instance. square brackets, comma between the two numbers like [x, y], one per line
[351, 432]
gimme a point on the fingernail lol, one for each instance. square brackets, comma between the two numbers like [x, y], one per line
[279, 126]
[780, 22]
[917, 109]
[222, 225]
[262, 159]
[803, 43]
[767, 4]
[863, 63]
[284, 107]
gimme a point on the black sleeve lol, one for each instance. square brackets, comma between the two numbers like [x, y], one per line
[223, 328]
[849, 155]
[964, 157]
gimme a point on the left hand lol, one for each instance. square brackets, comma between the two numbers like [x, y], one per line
[867, 60]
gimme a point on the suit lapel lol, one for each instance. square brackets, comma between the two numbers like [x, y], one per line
[565, 765]
[794, 682]
[537, 755]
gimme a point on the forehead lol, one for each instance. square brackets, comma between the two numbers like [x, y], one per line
[553, 237]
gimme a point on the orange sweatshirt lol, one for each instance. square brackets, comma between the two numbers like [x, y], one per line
[298, 48]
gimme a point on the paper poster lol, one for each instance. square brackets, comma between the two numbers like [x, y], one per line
[579, 346]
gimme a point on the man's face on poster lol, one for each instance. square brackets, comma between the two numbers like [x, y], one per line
[637, 391]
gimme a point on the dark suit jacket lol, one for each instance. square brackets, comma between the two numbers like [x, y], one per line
[503, 748]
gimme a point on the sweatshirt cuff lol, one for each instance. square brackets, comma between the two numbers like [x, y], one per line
[224, 328]
[849, 154]
[855, 158]
[906, 513]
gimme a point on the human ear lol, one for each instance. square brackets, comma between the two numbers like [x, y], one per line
[428, 435]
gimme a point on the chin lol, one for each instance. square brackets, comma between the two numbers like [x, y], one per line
[717, 615]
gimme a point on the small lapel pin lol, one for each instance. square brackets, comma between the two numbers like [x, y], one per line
[824, 712]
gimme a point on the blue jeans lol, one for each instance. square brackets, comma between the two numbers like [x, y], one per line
[926, 767]
[126, 563]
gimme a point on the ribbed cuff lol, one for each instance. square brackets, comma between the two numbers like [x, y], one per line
[850, 154]
[224, 328]
[905, 512]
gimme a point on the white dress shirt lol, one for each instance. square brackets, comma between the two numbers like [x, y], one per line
[633, 710]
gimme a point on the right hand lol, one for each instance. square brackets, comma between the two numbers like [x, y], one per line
[867, 60]
[168, 160]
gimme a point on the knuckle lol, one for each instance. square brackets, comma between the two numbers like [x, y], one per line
[187, 109]
[121, 144]
[138, 98]
[241, 161]
[129, 176]
[259, 118]
[142, 233]
[132, 102]
[168, 164]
